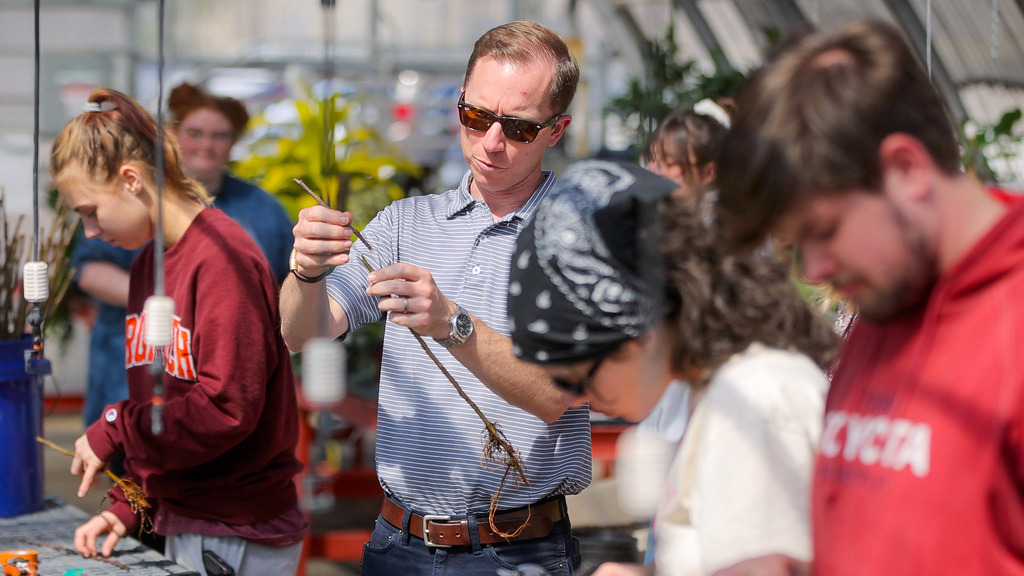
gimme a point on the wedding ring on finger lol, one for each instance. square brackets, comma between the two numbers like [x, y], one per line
[405, 305]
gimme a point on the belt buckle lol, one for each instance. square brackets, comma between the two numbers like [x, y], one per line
[426, 532]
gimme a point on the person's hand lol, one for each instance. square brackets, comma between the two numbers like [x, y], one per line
[770, 565]
[618, 569]
[323, 238]
[103, 523]
[413, 299]
[85, 464]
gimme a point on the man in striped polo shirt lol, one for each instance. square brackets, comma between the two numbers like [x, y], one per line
[441, 272]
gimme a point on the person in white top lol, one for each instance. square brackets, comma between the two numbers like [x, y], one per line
[617, 288]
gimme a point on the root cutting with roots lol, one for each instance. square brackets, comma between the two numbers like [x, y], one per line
[133, 493]
[497, 450]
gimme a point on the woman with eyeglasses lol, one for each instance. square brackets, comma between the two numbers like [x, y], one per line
[207, 127]
[618, 287]
[682, 149]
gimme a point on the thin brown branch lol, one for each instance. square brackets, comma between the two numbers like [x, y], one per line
[325, 205]
[14, 251]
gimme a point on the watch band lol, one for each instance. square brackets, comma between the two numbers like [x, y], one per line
[311, 279]
[293, 268]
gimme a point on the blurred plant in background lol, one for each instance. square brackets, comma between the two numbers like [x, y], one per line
[667, 83]
[989, 150]
[352, 167]
[17, 249]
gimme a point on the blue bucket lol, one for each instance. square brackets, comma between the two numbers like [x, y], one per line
[21, 420]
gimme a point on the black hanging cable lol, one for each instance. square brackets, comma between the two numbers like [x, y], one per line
[35, 142]
[327, 108]
[159, 155]
[323, 358]
[158, 308]
[35, 275]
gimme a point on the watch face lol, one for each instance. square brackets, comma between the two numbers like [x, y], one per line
[462, 328]
[464, 323]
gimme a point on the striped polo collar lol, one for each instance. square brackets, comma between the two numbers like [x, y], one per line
[463, 199]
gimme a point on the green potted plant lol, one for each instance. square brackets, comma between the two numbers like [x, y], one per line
[17, 249]
[352, 166]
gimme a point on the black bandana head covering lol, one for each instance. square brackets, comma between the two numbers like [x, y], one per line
[586, 275]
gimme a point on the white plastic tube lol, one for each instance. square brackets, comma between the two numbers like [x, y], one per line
[158, 310]
[37, 281]
[323, 371]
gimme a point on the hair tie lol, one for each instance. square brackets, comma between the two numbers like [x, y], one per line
[709, 107]
[105, 106]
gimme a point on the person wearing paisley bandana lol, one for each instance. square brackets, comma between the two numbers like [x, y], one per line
[619, 286]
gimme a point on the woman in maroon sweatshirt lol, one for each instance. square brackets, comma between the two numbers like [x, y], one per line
[219, 474]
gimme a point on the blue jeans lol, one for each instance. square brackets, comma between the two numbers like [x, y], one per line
[391, 551]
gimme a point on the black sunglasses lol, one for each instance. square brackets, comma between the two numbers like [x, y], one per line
[579, 387]
[515, 129]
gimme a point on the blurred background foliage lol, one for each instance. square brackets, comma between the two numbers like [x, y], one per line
[989, 149]
[17, 246]
[667, 82]
[352, 167]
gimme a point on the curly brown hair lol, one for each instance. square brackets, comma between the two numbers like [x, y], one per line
[727, 299]
[186, 98]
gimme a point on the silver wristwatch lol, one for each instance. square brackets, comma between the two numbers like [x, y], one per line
[462, 326]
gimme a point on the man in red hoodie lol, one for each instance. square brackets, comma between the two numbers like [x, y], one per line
[842, 148]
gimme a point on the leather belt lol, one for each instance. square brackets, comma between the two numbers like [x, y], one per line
[444, 531]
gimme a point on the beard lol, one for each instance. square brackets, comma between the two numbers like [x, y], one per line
[907, 290]
[898, 299]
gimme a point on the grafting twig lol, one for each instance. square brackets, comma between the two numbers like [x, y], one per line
[496, 448]
[321, 202]
[132, 492]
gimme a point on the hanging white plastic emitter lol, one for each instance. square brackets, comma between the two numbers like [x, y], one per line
[323, 371]
[158, 311]
[36, 281]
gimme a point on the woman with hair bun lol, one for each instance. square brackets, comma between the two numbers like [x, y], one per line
[230, 415]
[207, 127]
[684, 147]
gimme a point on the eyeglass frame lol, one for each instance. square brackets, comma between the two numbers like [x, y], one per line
[491, 118]
[579, 387]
